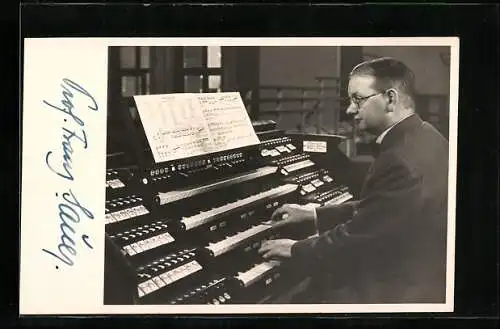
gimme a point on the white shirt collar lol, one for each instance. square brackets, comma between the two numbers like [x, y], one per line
[382, 135]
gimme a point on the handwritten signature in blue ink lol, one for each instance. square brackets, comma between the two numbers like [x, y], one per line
[70, 90]
[71, 211]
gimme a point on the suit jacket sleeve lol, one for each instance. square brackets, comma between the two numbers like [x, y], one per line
[392, 195]
[329, 216]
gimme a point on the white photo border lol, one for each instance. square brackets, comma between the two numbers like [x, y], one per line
[48, 288]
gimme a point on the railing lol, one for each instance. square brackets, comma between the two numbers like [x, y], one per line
[280, 102]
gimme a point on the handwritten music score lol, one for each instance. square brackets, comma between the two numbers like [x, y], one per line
[190, 124]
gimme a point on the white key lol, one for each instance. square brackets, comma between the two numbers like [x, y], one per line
[108, 218]
[143, 245]
[282, 148]
[136, 248]
[327, 179]
[180, 272]
[317, 182]
[141, 210]
[132, 212]
[115, 183]
[150, 243]
[126, 214]
[129, 250]
[117, 215]
[152, 285]
[166, 278]
[144, 288]
[274, 153]
[340, 199]
[172, 196]
[148, 287]
[159, 240]
[232, 242]
[250, 276]
[298, 165]
[196, 266]
[159, 282]
[308, 188]
[186, 269]
[205, 217]
[177, 273]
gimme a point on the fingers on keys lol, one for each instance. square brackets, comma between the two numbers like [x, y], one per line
[267, 249]
[280, 213]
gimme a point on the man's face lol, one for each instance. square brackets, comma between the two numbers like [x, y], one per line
[368, 105]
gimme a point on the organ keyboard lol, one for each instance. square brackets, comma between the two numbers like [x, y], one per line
[174, 195]
[240, 238]
[208, 216]
[189, 229]
[256, 272]
[114, 181]
[144, 238]
[213, 292]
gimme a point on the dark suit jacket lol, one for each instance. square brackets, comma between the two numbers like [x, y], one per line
[390, 246]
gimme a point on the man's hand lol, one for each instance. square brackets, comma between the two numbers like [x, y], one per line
[280, 249]
[291, 214]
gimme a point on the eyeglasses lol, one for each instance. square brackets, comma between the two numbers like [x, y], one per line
[359, 101]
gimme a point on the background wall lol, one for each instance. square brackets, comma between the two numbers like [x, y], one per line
[432, 75]
[297, 66]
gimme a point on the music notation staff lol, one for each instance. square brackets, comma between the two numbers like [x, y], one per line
[184, 125]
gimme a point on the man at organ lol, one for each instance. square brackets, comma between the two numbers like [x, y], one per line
[390, 245]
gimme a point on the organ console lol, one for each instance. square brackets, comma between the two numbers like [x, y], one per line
[187, 231]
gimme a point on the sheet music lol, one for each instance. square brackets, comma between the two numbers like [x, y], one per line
[227, 120]
[184, 125]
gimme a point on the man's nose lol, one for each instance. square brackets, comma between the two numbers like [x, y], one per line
[351, 109]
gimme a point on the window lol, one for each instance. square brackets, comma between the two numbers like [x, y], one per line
[134, 74]
[201, 69]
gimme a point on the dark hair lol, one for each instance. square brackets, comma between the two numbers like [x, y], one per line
[389, 73]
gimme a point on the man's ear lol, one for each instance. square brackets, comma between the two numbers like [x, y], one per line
[392, 97]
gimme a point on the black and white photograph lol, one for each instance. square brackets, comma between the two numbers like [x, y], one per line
[277, 174]
[239, 175]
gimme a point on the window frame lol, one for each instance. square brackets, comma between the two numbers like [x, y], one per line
[138, 72]
[204, 71]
